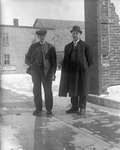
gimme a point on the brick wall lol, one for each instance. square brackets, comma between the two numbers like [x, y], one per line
[110, 44]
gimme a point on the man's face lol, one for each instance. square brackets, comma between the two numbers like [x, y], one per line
[76, 35]
[41, 37]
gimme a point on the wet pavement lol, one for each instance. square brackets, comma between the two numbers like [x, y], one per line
[20, 130]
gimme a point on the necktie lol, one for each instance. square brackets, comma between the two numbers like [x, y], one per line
[75, 44]
[45, 61]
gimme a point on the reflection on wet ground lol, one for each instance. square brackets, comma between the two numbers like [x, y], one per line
[26, 132]
[99, 130]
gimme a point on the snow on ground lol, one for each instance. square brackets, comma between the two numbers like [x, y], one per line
[19, 83]
[22, 84]
[113, 93]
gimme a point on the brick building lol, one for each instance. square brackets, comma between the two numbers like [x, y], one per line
[110, 44]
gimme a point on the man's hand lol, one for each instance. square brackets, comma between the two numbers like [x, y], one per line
[53, 77]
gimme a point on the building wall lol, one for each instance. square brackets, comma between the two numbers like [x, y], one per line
[19, 40]
[110, 44]
[105, 44]
[102, 33]
[92, 37]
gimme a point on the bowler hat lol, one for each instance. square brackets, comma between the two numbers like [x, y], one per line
[76, 28]
[41, 32]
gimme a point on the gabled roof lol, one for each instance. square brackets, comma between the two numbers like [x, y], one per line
[56, 24]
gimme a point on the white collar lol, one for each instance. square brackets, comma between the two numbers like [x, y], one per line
[76, 41]
[42, 43]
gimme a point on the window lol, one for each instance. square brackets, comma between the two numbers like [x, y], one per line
[5, 40]
[6, 59]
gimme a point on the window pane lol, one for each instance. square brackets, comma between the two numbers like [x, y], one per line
[5, 40]
[6, 59]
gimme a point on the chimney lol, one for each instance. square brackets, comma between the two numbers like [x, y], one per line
[15, 22]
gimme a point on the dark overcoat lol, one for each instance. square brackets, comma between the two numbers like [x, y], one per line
[75, 68]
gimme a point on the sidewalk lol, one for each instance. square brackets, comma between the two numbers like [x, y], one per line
[20, 130]
[104, 101]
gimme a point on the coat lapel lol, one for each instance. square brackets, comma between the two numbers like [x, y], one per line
[70, 49]
[80, 48]
[79, 44]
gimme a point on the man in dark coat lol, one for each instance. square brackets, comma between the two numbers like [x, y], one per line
[74, 74]
[41, 59]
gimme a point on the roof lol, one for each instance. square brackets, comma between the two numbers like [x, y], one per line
[56, 24]
[12, 26]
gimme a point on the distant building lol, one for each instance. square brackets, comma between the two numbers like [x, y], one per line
[15, 41]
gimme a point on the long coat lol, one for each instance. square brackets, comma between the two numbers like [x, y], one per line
[75, 68]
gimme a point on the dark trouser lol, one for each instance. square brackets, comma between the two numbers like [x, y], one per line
[78, 102]
[38, 78]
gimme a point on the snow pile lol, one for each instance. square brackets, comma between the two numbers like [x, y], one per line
[113, 93]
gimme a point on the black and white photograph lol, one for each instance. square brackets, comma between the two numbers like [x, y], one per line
[60, 75]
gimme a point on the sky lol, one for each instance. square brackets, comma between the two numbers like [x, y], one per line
[28, 10]
[117, 6]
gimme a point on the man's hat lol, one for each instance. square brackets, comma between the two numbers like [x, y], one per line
[41, 32]
[76, 28]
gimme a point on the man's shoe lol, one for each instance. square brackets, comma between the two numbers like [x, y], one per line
[49, 113]
[82, 112]
[71, 110]
[37, 113]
